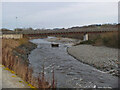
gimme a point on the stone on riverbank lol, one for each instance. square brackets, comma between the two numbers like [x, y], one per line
[103, 58]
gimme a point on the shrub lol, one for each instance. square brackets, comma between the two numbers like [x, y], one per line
[17, 64]
[88, 42]
[110, 40]
[104, 39]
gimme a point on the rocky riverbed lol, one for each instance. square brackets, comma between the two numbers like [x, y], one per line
[69, 72]
[63, 40]
[103, 58]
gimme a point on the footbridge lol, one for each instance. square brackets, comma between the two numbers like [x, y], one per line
[85, 33]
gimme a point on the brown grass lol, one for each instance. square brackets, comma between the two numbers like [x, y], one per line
[110, 39]
[19, 66]
[23, 41]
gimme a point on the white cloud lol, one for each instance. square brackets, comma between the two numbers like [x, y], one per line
[59, 0]
[76, 12]
[60, 14]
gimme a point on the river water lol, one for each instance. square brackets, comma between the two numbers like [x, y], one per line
[69, 72]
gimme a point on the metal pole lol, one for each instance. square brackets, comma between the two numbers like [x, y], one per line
[16, 22]
[16, 25]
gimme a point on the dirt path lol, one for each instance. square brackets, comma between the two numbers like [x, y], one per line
[9, 80]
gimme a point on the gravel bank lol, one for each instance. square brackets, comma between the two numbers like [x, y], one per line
[103, 58]
[62, 40]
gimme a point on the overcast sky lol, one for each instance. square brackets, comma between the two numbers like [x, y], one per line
[57, 15]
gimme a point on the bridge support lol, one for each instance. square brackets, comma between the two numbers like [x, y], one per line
[85, 37]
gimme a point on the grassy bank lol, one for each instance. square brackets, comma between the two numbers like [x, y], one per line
[15, 57]
[110, 39]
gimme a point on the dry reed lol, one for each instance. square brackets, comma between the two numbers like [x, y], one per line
[20, 67]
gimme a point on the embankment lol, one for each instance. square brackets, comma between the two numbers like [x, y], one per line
[10, 80]
[103, 58]
[15, 57]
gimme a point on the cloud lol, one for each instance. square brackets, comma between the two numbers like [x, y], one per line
[50, 15]
[59, 0]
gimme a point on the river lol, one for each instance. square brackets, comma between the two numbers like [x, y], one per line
[69, 72]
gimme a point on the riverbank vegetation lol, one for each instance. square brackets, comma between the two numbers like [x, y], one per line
[110, 39]
[15, 57]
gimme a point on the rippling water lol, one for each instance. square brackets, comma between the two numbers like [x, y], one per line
[69, 72]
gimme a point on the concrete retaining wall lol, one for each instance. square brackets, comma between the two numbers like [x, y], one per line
[11, 36]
